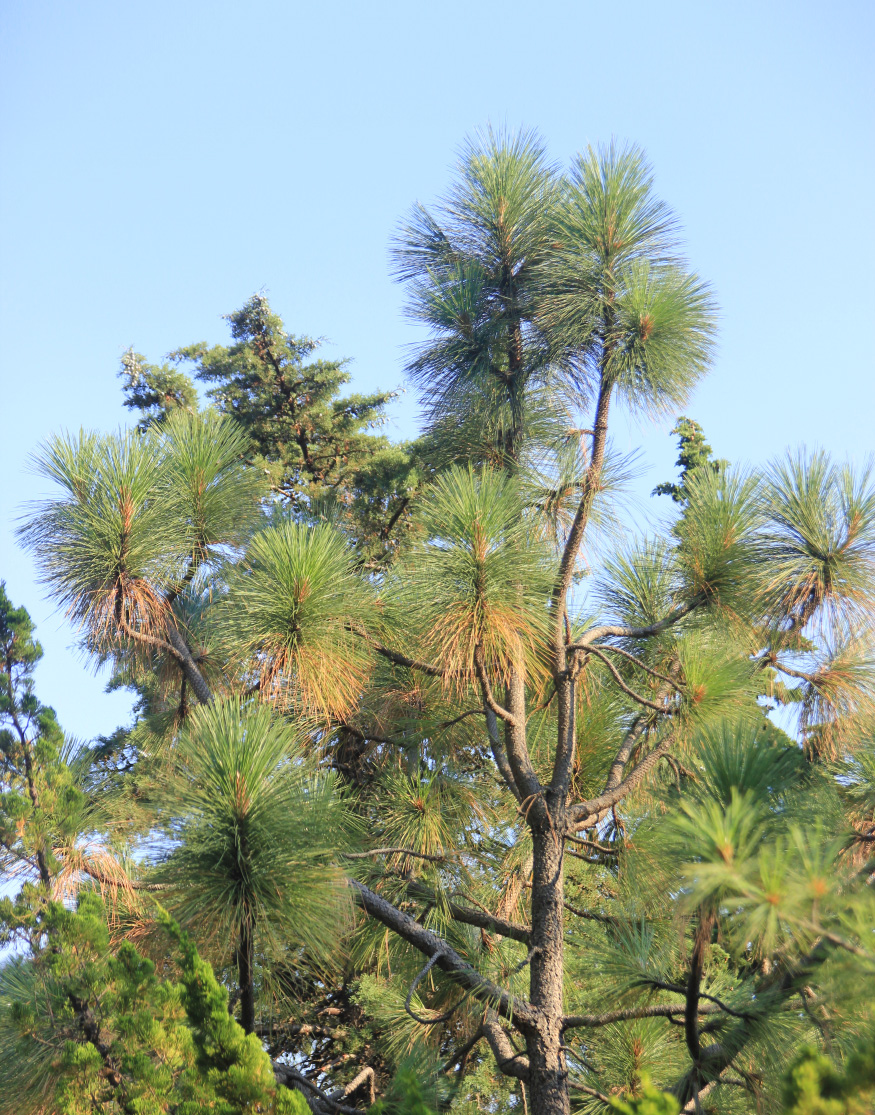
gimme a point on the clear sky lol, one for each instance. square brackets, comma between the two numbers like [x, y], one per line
[162, 161]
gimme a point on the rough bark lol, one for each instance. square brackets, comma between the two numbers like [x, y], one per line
[548, 1074]
[189, 667]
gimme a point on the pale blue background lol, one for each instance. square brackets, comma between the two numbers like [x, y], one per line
[160, 162]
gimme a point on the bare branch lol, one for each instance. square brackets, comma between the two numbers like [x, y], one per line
[463, 1051]
[657, 1010]
[395, 852]
[618, 679]
[289, 1077]
[438, 1018]
[588, 915]
[589, 813]
[681, 990]
[481, 919]
[402, 659]
[615, 631]
[587, 1091]
[618, 767]
[593, 845]
[692, 1105]
[498, 753]
[448, 960]
[488, 697]
[641, 665]
[508, 1060]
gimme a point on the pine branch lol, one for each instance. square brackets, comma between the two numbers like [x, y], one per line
[586, 814]
[486, 689]
[447, 959]
[606, 631]
[641, 665]
[509, 1061]
[658, 1010]
[402, 659]
[393, 852]
[464, 1050]
[625, 688]
[482, 919]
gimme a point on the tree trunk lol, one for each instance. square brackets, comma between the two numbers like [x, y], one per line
[245, 973]
[548, 1075]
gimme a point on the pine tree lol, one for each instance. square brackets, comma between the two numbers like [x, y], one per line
[579, 866]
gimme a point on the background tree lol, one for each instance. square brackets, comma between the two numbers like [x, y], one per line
[318, 449]
[694, 452]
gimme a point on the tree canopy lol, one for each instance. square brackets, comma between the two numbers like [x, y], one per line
[443, 791]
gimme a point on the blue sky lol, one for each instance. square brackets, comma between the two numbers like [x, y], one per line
[163, 161]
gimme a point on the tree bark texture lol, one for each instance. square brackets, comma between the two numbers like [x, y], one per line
[548, 1074]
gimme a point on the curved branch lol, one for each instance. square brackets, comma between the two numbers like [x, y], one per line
[812, 679]
[588, 813]
[176, 646]
[488, 697]
[449, 961]
[615, 631]
[441, 1017]
[618, 679]
[498, 753]
[641, 665]
[508, 1060]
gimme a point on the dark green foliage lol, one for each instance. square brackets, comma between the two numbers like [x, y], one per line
[320, 451]
[39, 803]
[695, 453]
[155, 390]
[318, 448]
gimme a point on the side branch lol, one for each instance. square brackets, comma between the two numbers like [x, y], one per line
[488, 696]
[657, 1010]
[508, 1060]
[613, 631]
[481, 919]
[641, 665]
[177, 647]
[394, 852]
[588, 813]
[447, 959]
[615, 674]
[402, 659]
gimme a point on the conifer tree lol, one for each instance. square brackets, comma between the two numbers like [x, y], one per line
[579, 869]
[319, 450]
[694, 453]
